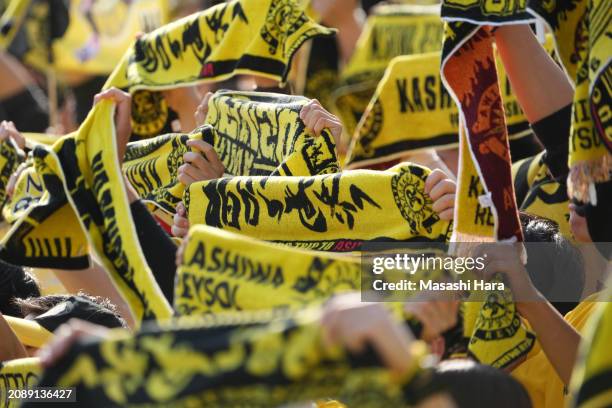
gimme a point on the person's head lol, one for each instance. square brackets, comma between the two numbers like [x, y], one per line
[473, 385]
[556, 268]
[53, 310]
[15, 282]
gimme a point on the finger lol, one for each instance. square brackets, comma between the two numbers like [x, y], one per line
[180, 209]
[185, 179]
[443, 203]
[441, 188]
[210, 154]
[179, 232]
[320, 124]
[312, 116]
[198, 174]
[434, 178]
[307, 108]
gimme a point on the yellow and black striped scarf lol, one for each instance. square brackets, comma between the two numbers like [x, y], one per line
[223, 360]
[583, 34]
[335, 212]
[237, 37]
[257, 134]
[390, 31]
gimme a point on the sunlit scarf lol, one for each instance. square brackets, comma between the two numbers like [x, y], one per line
[582, 29]
[10, 157]
[226, 271]
[82, 169]
[95, 37]
[14, 13]
[29, 332]
[336, 212]
[224, 361]
[238, 37]
[497, 335]
[259, 134]
[412, 110]
[592, 375]
[390, 31]
[17, 374]
[151, 167]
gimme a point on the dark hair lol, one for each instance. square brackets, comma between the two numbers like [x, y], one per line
[556, 270]
[94, 309]
[15, 282]
[473, 385]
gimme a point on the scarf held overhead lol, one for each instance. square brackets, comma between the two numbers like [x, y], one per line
[583, 34]
[336, 212]
[223, 271]
[260, 134]
[412, 110]
[390, 31]
[82, 169]
[270, 361]
[252, 37]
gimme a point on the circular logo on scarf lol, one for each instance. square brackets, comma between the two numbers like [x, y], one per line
[283, 19]
[149, 114]
[497, 319]
[411, 200]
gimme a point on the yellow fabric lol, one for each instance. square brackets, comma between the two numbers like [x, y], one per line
[32, 139]
[270, 361]
[412, 110]
[538, 193]
[335, 212]
[591, 383]
[9, 160]
[100, 32]
[584, 39]
[17, 375]
[82, 168]
[44, 232]
[257, 37]
[390, 31]
[538, 375]
[226, 271]
[11, 20]
[151, 167]
[259, 134]
[29, 332]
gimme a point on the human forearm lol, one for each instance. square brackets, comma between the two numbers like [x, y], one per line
[538, 82]
[558, 338]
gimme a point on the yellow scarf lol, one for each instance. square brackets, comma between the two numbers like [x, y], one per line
[226, 271]
[497, 336]
[582, 32]
[151, 167]
[82, 169]
[390, 31]
[95, 37]
[17, 374]
[29, 332]
[591, 383]
[11, 21]
[270, 362]
[258, 134]
[9, 160]
[257, 37]
[335, 212]
[411, 110]
[538, 193]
